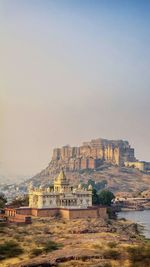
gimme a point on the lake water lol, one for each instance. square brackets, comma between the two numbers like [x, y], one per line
[141, 217]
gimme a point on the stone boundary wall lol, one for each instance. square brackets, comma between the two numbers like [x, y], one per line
[102, 212]
[79, 214]
[64, 213]
[23, 214]
[20, 218]
[18, 215]
[24, 211]
[91, 212]
[45, 212]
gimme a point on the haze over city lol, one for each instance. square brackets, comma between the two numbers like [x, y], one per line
[71, 71]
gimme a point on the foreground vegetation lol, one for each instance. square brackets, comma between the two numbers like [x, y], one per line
[91, 242]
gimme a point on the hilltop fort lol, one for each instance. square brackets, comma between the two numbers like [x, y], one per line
[92, 154]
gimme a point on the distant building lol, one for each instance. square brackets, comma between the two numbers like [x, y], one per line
[140, 165]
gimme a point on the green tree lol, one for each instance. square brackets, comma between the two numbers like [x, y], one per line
[106, 197]
[100, 185]
[3, 200]
[21, 201]
[91, 182]
[95, 198]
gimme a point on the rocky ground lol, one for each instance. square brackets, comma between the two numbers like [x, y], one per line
[91, 242]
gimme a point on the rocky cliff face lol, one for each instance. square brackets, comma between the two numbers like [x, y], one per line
[91, 155]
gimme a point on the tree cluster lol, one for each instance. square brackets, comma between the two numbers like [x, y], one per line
[103, 197]
[98, 186]
[3, 200]
[21, 201]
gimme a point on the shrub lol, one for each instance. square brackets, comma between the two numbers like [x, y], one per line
[97, 246]
[36, 252]
[112, 244]
[147, 240]
[107, 264]
[10, 249]
[139, 254]
[111, 254]
[50, 246]
[46, 230]
[18, 237]
[2, 228]
[3, 200]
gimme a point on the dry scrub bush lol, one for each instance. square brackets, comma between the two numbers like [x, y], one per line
[112, 254]
[48, 247]
[10, 249]
[112, 244]
[36, 252]
[97, 246]
[46, 230]
[139, 256]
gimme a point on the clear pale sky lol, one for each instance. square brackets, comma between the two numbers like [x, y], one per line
[70, 71]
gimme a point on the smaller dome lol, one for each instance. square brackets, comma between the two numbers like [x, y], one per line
[30, 187]
[62, 190]
[90, 187]
[80, 186]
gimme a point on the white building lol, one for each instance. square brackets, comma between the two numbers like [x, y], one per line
[63, 195]
[140, 165]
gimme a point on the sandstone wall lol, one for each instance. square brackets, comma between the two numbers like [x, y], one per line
[20, 218]
[45, 212]
[102, 212]
[24, 211]
[64, 213]
[23, 215]
[84, 213]
[34, 212]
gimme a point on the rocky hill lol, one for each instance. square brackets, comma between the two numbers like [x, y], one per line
[118, 179]
[99, 160]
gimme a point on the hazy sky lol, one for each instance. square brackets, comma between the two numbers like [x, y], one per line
[70, 71]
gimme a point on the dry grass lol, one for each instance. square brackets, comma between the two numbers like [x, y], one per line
[78, 237]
